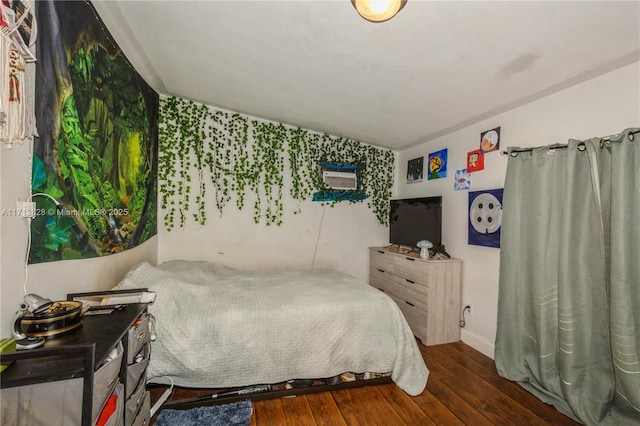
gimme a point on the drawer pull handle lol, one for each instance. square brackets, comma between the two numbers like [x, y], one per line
[380, 251]
[382, 290]
[410, 258]
[409, 303]
[409, 281]
[380, 270]
[141, 336]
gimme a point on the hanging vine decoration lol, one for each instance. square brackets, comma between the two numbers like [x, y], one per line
[232, 155]
[242, 173]
[167, 158]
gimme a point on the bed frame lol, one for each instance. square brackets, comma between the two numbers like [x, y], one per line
[225, 396]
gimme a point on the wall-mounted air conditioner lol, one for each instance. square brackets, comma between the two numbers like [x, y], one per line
[340, 176]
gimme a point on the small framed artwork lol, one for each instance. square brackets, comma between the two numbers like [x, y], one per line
[438, 164]
[462, 180]
[415, 168]
[485, 217]
[490, 140]
[475, 161]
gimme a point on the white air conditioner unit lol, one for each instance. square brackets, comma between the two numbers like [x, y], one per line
[344, 180]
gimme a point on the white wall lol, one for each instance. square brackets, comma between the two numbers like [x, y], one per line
[599, 107]
[52, 279]
[317, 237]
[306, 240]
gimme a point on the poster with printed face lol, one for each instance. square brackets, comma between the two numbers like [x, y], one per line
[438, 164]
[485, 217]
[490, 140]
[475, 161]
[462, 180]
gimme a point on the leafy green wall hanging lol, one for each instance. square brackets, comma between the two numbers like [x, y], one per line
[97, 147]
[230, 155]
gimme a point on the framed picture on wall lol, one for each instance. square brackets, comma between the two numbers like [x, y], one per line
[415, 168]
[485, 217]
[438, 164]
[475, 161]
[462, 180]
[490, 140]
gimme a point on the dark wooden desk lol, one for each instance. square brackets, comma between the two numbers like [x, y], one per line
[76, 355]
[103, 331]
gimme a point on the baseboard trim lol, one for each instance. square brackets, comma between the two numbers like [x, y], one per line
[478, 344]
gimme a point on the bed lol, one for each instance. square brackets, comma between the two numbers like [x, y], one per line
[219, 327]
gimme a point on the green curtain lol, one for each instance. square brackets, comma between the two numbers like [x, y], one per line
[569, 297]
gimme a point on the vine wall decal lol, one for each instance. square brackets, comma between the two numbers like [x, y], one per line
[231, 155]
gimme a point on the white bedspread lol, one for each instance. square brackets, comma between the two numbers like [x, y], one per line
[219, 327]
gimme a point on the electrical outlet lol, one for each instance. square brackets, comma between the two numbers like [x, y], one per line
[468, 309]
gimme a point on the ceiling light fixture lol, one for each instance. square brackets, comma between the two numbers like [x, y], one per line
[378, 10]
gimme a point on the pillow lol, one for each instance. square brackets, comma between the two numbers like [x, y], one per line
[197, 271]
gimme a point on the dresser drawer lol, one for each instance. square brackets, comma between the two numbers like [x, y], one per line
[416, 318]
[403, 289]
[381, 260]
[411, 268]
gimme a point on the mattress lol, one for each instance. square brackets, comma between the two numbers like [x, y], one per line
[219, 327]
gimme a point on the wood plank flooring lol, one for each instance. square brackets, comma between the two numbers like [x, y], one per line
[463, 389]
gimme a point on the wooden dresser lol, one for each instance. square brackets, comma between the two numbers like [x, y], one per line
[427, 291]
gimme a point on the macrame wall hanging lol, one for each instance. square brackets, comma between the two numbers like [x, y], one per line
[18, 31]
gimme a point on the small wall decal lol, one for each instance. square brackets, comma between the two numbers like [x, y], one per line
[475, 161]
[462, 180]
[485, 217]
[490, 140]
[415, 168]
[438, 164]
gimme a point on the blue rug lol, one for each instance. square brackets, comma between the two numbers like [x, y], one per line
[233, 414]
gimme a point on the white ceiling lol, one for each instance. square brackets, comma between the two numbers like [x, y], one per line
[436, 67]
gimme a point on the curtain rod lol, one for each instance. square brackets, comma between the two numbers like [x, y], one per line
[602, 141]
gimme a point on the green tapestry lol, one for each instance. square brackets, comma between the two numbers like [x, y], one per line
[96, 153]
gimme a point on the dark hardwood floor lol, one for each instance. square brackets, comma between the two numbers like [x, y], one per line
[463, 389]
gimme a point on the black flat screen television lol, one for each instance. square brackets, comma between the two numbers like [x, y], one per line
[415, 219]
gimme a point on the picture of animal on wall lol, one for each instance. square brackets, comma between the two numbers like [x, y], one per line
[438, 164]
[96, 154]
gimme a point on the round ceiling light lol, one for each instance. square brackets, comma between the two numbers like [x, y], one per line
[378, 10]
